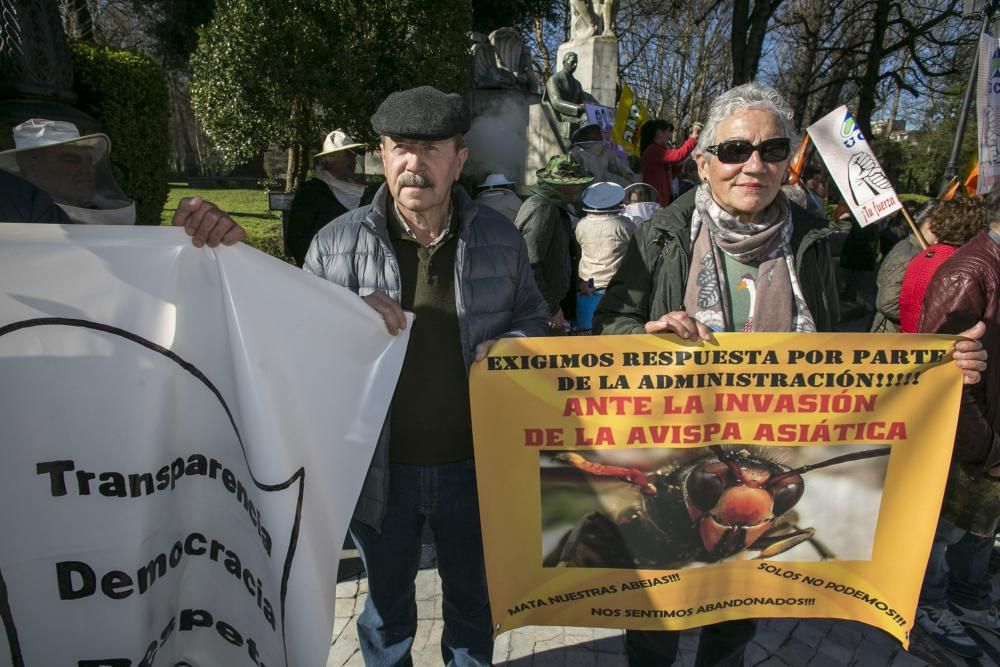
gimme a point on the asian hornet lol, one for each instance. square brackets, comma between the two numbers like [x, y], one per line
[705, 510]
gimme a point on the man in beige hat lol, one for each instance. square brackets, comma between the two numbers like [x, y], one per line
[333, 191]
[74, 170]
[55, 175]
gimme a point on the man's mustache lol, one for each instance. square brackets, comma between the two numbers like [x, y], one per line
[414, 181]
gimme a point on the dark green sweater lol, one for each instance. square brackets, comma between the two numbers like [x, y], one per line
[430, 419]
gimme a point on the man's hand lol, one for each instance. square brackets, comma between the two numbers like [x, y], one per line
[206, 224]
[483, 348]
[391, 312]
[681, 324]
[558, 321]
[969, 354]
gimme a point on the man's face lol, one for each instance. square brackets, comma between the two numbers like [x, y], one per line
[569, 63]
[65, 172]
[341, 165]
[420, 173]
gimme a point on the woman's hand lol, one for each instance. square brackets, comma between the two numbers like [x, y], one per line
[682, 324]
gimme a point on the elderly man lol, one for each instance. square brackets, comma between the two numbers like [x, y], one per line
[74, 170]
[463, 269]
[52, 162]
[333, 191]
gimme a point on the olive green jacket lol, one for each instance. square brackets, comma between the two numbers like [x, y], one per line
[652, 278]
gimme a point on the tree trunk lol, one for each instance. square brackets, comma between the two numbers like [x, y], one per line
[749, 30]
[741, 13]
[79, 21]
[873, 63]
[292, 169]
[543, 49]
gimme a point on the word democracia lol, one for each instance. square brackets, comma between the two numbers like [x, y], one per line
[111, 484]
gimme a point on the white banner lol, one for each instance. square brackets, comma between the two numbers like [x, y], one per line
[184, 435]
[988, 108]
[852, 164]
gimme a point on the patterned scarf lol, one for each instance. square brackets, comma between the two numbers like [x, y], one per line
[778, 304]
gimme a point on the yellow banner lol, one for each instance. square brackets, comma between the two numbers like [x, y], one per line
[629, 117]
[651, 483]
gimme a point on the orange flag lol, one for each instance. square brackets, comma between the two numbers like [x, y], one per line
[799, 160]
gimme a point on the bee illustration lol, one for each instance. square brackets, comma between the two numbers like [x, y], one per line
[703, 510]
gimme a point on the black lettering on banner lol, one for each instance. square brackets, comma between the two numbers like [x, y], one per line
[76, 579]
[136, 485]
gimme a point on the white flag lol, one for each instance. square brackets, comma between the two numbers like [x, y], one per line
[852, 164]
[184, 433]
[988, 108]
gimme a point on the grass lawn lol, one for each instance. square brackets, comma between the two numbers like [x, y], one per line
[246, 207]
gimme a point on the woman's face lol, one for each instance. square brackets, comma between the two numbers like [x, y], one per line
[744, 190]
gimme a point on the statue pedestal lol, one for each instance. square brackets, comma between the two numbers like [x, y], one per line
[502, 134]
[597, 70]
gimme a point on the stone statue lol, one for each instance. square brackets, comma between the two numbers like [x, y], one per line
[485, 73]
[514, 58]
[564, 94]
[34, 56]
[591, 18]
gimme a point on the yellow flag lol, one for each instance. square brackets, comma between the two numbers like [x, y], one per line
[629, 117]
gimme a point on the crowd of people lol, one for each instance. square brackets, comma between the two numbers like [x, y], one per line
[666, 254]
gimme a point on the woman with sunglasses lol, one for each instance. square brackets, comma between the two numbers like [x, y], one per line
[693, 270]
[685, 266]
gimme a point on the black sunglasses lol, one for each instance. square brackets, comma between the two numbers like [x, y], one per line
[738, 151]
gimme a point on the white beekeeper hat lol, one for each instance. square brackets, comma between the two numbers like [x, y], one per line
[38, 133]
[603, 196]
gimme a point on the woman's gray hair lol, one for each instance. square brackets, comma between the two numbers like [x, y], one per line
[749, 96]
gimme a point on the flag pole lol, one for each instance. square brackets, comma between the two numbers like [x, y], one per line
[913, 226]
[951, 170]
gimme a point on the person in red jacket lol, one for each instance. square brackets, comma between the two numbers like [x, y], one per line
[952, 223]
[659, 160]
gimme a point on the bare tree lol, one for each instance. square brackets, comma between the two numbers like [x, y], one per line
[749, 28]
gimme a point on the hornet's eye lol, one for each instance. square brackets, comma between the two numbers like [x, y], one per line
[706, 483]
[786, 493]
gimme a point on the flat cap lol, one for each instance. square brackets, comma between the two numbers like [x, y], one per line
[422, 113]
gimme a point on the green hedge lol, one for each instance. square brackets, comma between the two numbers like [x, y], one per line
[127, 94]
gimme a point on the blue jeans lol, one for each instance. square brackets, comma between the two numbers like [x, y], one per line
[445, 496]
[957, 570]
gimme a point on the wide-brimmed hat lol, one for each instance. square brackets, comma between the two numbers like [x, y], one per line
[337, 141]
[38, 133]
[564, 170]
[495, 181]
[603, 196]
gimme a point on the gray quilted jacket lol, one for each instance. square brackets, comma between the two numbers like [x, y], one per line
[495, 295]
